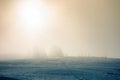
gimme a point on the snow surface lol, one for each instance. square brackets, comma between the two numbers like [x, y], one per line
[61, 69]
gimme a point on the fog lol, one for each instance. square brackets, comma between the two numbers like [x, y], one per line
[72, 27]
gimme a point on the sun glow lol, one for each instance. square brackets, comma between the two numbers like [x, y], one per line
[33, 16]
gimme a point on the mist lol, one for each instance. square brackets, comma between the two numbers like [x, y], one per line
[74, 27]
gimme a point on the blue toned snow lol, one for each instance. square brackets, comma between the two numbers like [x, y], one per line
[61, 69]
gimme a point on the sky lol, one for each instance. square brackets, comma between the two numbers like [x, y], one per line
[77, 27]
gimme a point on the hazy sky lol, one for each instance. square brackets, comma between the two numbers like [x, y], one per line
[78, 27]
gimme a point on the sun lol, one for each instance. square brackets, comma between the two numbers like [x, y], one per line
[33, 15]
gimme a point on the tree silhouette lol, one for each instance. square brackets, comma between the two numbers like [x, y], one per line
[56, 52]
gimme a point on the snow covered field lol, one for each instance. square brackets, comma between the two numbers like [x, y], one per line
[61, 69]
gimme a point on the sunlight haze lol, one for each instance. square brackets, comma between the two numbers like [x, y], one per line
[73, 27]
